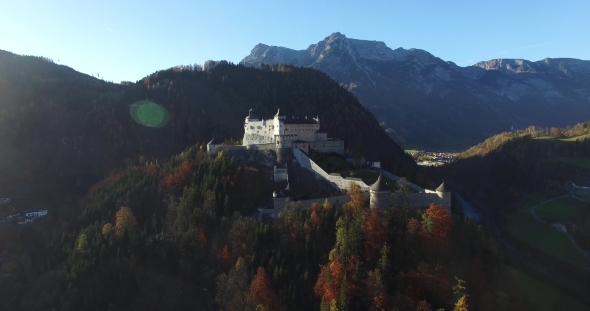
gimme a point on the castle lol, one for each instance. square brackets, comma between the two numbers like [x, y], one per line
[292, 139]
[282, 134]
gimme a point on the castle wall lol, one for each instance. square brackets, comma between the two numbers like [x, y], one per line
[270, 146]
[425, 199]
[321, 137]
[335, 201]
[304, 146]
[280, 174]
[338, 181]
[396, 178]
[336, 146]
[304, 131]
[380, 199]
[257, 139]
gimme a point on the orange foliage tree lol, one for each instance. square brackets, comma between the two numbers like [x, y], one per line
[375, 234]
[437, 224]
[226, 257]
[261, 295]
[335, 275]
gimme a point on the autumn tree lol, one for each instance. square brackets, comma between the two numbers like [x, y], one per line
[375, 235]
[261, 295]
[436, 224]
[423, 305]
[125, 221]
[461, 304]
[556, 132]
[232, 288]
[107, 229]
[225, 257]
[354, 192]
[375, 290]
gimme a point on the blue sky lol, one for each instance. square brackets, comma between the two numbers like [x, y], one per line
[127, 40]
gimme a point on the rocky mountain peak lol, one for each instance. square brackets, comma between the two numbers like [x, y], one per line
[412, 90]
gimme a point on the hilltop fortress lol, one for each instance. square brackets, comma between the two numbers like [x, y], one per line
[282, 134]
[292, 138]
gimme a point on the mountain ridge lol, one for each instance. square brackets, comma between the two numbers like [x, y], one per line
[419, 96]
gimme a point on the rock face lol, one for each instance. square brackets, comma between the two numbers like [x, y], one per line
[426, 102]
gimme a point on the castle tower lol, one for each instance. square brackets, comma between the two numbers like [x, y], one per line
[444, 193]
[212, 146]
[284, 147]
[379, 194]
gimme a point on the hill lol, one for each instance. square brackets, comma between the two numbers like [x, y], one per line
[169, 234]
[428, 103]
[506, 167]
[63, 129]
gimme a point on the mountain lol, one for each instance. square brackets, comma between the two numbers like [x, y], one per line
[63, 129]
[426, 102]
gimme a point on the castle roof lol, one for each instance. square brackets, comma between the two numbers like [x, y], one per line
[379, 185]
[442, 188]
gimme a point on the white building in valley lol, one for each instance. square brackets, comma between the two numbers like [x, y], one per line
[36, 213]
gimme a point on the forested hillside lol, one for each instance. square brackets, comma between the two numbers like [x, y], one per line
[169, 235]
[505, 167]
[63, 130]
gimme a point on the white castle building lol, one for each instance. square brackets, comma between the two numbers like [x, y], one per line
[289, 132]
[282, 134]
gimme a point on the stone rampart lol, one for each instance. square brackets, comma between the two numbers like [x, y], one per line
[337, 180]
[256, 139]
[396, 178]
[270, 146]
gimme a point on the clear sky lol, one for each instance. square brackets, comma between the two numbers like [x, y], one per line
[127, 40]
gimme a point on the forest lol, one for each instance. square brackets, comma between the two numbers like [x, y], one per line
[175, 234]
[504, 168]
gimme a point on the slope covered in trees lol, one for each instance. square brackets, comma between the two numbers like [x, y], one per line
[504, 168]
[171, 235]
[68, 128]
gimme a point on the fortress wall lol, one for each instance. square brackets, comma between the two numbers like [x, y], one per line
[338, 181]
[321, 137]
[425, 199]
[270, 146]
[335, 201]
[396, 178]
[257, 139]
[231, 150]
[336, 146]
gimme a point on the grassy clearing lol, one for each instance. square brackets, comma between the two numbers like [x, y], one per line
[527, 229]
[411, 151]
[581, 137]
[563, 208]
[569, 139]
[545, 297]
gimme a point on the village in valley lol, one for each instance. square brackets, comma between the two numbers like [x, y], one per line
[432, 158]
